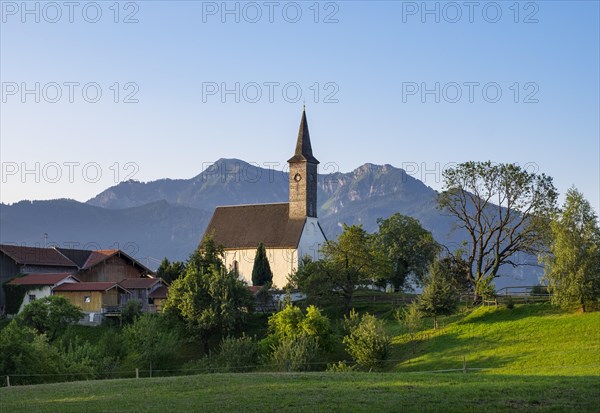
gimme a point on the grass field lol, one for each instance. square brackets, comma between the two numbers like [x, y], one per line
[312, 392]
[536, 358]
[529, 339]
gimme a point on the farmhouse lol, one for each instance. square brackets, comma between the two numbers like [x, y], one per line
[104, 265]
[289, 230]
[35, 263]
[96, 299]
[36, 286]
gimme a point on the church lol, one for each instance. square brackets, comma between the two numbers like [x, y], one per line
[288, 230]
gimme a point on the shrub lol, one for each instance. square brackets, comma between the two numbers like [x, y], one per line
[367, 342]
[81, 359]
[295, 354]
[340, 367]
[24, 351]
[150, 342]
[131, 311]
[291, 322]
[238, 354]
[296, 338]
[200, 366]
[410, 318]
[351, 321]
[50, 315]
[510, 304]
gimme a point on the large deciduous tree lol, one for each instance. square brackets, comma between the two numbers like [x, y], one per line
[261, 271]
[211, 300]
[572, 267]
[406, 249]
[503, 208]
[346, 264]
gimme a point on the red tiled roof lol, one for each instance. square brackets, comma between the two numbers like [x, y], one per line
[139, 283]
[41, 279]
[160, 292]
[62, 257]
[87, 286]
[36, 256]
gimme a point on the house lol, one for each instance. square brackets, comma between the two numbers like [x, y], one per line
[141, 289]
[96, 299]
[289, 230]
[158, 298]
[104, 265]
[36, 286]
[87, 265]
[16, 259]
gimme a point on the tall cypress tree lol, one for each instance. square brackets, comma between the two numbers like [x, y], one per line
[261, 272]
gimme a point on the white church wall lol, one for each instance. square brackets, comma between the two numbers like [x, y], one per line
[283, 261]
[311, 240]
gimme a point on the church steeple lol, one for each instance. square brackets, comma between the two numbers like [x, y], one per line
[303, 176]
[303, 151]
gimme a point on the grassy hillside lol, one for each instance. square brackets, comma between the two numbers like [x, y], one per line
[538, 358]
[531, 339]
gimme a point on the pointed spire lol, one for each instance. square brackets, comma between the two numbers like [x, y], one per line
[303, 151]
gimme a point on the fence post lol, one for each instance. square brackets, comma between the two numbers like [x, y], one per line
[464, 364]
[7, 381]
[137, 373]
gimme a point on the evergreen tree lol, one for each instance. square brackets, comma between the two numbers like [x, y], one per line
[440, 295]
[170, 271]
[261, 272]
[573, 267]
[366, 341]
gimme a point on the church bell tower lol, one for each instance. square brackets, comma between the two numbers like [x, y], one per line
[303, 176]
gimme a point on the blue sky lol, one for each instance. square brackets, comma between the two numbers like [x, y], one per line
[365, 67]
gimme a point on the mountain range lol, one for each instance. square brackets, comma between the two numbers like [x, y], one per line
[167, 217]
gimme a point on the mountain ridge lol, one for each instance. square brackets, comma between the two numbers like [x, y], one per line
[167, 217]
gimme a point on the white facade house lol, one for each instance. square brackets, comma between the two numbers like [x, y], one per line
[289, 231]
[41, 285]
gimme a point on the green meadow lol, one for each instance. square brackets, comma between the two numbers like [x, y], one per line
[530, 358]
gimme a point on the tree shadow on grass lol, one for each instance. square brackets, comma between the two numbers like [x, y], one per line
[502, 314]
[441, 350]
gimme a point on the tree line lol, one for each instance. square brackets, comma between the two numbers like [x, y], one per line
[503, 210]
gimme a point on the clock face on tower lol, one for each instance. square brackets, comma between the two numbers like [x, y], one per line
[297, 177]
